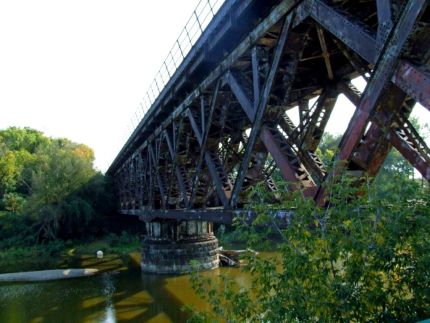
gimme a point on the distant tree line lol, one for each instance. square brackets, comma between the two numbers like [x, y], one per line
[49, 188]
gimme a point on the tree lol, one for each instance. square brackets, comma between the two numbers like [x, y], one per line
[63, 168]
[15, 139]
[9, 172]
[364, 258]
[51, 182]
[328, 147]
[361, 259]
[13, 202]
[60, 171]
[17, 158]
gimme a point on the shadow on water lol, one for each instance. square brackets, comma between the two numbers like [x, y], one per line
[121, 293]
[117, 295]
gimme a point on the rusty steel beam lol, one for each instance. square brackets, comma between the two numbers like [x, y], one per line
[375, 145]
[160, 184]
[303, 110]
[289, 164]
[177, 171]
[350, 91]
[385, 22]
[216, 170]
[306, 156]
[311, 135]
[383, 71]
[195, 126]
[241, 96]
[349, 32]
[325, 53]
[275, 15]
[410, 144]
[205, 130]
[410, 154]
[382, 133]
[213, 160]
[356, 61]
[215, 216]
[415, 81]
[219, 177]
[285, 157]
[144, 175]
[151, 179]
[255, 77]
[261, 108]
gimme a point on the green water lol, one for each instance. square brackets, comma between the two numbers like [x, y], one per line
[120, 294]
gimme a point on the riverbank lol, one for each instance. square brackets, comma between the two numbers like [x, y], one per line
[123, 247]
[62, 254]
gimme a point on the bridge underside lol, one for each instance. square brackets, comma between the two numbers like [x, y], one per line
[230, 130]
[224, 126]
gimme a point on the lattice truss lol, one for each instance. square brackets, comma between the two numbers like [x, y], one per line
[232, 130]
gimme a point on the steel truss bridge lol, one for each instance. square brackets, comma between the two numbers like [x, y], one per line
[219, 125]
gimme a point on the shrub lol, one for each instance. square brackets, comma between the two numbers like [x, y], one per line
[362, 259]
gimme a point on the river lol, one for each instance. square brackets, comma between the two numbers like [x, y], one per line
[120, 294]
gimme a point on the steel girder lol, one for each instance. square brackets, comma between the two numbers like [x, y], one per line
[232, 131]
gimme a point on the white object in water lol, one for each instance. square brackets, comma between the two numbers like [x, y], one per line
[100, 254]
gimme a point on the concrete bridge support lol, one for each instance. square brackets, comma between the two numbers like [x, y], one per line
[169, 246]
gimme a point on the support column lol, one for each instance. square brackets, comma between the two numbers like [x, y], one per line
[169, 246]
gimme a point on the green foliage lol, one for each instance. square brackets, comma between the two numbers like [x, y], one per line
[98, 190]
[364, 258]
[35, 257]
[119, 244]
[13, 202]
[61, 170]
[15, 230]
[59, 253]
[328, 147]
[51, 184]
[394, 163]
[123, 243]
[27, 139]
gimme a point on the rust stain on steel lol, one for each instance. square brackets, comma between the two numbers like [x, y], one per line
[200, 149]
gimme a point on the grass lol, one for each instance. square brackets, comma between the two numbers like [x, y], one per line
[118, 244]
[62, 253]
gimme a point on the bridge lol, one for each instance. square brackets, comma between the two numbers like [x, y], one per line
[216, 123]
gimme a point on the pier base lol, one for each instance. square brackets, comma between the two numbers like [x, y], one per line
[169, 246]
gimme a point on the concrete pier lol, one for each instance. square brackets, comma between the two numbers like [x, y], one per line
[169, 246]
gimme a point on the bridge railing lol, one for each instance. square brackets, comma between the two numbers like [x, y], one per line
[196, 24]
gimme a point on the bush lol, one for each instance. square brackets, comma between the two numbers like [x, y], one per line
[13, 202]
[53, 183]
[16, 230]
[362, 259]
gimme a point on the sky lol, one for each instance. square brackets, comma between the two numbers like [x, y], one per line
[79, 69]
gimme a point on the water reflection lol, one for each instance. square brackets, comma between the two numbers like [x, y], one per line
[126, 296]
[113, 296]
[108, 292]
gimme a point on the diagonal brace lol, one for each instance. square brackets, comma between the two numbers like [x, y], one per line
[261, 108]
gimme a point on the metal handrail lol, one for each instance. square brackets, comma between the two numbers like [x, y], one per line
[196, 24]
